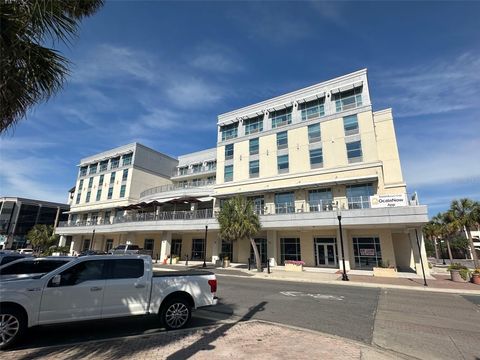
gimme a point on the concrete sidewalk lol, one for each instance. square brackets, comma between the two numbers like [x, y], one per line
[436, 283]
[240, 340]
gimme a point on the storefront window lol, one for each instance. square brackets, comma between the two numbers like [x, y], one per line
[289, 249]
[367, 252]
[198, 249]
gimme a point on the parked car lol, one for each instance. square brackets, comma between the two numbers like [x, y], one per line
[129, 249]
[6, 257]
[98, 287]
[26, 251]
[92, 252]
[30, 266]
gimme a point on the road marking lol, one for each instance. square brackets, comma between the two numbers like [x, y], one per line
[315, 296]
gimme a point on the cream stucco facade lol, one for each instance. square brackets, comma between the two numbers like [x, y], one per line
[304, 158]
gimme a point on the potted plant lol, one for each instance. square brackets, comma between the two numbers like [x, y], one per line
[384, 270]
[294, 265]
[226, 262]
[175, 259]
[476, 276]
[459, 272]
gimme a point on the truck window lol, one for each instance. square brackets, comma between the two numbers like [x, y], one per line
[32, 267]
[126, 268]
[85, 271]
[6, 259]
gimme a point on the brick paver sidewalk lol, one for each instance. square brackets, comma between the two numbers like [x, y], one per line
[244, 340]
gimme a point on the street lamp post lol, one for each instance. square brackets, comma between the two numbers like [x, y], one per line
[339, 217]
[205, 248]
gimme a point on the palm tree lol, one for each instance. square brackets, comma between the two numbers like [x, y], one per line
[430, 232]
[464, 212]
[238, 221]
[444, 229]
[42, 237]
[31, 72]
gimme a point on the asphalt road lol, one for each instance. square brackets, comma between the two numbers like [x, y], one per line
[420, 324]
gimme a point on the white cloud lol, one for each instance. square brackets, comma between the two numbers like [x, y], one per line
[193, 92]
[439, 87]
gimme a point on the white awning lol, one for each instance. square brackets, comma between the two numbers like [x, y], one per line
[347, 87]
[281, 107]
[311, 97]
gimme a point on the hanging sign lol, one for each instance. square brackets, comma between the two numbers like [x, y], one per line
[367, 252]
[380, 201]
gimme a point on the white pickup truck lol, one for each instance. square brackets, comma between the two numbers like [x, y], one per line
[99, 287]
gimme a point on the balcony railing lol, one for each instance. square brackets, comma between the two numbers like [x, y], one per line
[192, 171]
[359, 202]
[174, 187]
[149, 216]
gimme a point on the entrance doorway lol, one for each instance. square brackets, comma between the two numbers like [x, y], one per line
[326, 252]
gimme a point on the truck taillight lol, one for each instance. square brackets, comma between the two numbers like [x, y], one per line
[213, 285]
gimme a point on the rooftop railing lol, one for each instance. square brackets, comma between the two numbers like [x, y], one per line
[174, 187]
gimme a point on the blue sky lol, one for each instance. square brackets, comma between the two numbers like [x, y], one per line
[159, 73]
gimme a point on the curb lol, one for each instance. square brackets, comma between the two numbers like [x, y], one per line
[360, 284]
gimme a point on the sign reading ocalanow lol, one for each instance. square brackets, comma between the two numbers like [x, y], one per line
[379, 201]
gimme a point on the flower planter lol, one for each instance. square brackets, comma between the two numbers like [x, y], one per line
[226, 263]
[293, 267]
[174, 261]
[456, 277]
[476, 279]
[384, 272]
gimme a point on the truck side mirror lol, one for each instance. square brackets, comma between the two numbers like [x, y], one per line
[56, 280]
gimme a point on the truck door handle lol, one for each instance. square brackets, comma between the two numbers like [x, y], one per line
[139, 286]
[95, 288]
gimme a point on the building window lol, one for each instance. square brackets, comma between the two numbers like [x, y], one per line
[127, 159]
[254, 168]
[227, 250]
[354, 152]
[108, 245]
[314, 134]
[289, 249]
[90, 182]
[103, 165]
[125, 175]
[88, 197]
[110, 193]
[106, 217]
[211, 165]
[350, 125]
[312, 109]
[122, 190]
[80, 185]
[282, 164]
[320, 200]
[229, 152]
[316, 158]
[115, 163]
[196, 168]
[281, 117]
[99, 194]
[367, 252]
[100, 181]
[359, 196]
[282, 140]
[229, 131]
[176, 249]
[83, 170]
[198, 249]
[93, 168]
[228, 173]
[348, 99]
[148, 244]
[285, 203]
[258, 204]
[253, 146]
[254, 125]
[78, 198]
[112, 177]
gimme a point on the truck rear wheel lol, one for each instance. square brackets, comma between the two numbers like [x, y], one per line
[12, 326]
[176, 313]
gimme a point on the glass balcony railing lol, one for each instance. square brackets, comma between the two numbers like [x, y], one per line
[147, 216]
[196, 170]
[174, 187]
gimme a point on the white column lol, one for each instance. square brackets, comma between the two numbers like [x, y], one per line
[166, 245]
[216, 248]
[272, 247]
[422, 256]
[72, 245]
[346, 249]
[62, 241]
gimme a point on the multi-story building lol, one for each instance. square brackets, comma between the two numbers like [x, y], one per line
[303, 158]
[19, 215]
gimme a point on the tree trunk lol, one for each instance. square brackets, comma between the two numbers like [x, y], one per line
[434, 239]
[257, 255]
[449, 250]
[472, 248]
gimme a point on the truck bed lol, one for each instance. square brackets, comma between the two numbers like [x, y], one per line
[181, 273]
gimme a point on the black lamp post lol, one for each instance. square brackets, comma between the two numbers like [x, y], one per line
[205, 248]
[443, 254]
[339, 217]
[421, 260]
